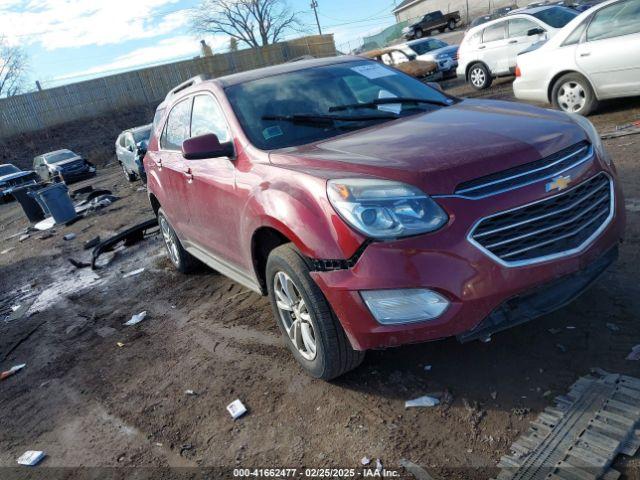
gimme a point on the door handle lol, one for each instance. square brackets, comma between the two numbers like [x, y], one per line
[159, 163]
[187, 173]
[585, 54]
[513, 41]
[481, 47]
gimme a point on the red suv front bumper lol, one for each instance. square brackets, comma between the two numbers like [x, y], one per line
[447, 262]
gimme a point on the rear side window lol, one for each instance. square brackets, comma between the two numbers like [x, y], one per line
[177, 129]
[619, 19]
[207, 117]
[519, 27]
[494, 32]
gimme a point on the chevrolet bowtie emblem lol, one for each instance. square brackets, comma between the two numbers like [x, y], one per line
[558, 183]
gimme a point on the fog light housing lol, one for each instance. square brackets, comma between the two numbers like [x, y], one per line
[390, 307]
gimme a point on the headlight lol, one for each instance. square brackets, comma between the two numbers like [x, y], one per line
[384, 209]
[594, 136]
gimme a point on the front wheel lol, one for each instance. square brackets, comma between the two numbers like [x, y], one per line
[418, 33]
[181, 259]
[480, 76]
[573, 94]
[452, 25]
[310, 328]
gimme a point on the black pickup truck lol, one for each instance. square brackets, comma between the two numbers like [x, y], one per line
[431, 22]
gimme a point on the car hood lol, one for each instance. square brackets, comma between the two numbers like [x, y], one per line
[437, 151]
[449, 51]
[13, 176]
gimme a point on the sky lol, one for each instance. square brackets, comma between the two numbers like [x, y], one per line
[72, 40]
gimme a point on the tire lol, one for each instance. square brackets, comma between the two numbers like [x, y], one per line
[418, 33]
[479, 76]
[131, 177]
[451, 25]
[572, 93]
[442, 30]
[181, 259]
[331, 355]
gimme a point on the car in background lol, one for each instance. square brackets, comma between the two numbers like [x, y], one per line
[595, 57]
[434, 50]
[63, 164]
[12, 177]
[480, 20]
[490, 50]
[406, 62]
[131, 145]
[431, 22]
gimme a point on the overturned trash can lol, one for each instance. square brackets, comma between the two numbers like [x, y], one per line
[55, 199]
[25, 197]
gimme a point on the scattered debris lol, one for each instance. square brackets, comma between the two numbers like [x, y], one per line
[365, 461]
[427, 368]
[570, 327]
[129, 236]
[190, 392]
[120, 344]
[521, 411]
[23, 237]
[581, 436]
[547, 393]
[137, 318]
[31, 458]
[69, 236]
[105, 332]
[632, 128]
[561, 347]
[78, 264]
[45, 224]
[47, 234]
[185, 447]
[494, 395]
[236, 409]
[613, 327]
[7, 250]
[425, 401]
[486, 339]
[378, 465]
[416, 470]
[635, 353]
[91, 243]
[12, 371]
[554, 331]
[133, 273]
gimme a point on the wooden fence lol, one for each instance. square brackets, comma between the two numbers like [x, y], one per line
[47, 108]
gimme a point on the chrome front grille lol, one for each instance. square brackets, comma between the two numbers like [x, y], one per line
[527, 173]
[556, 226]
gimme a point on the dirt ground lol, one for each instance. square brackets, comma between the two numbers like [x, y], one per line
[88, 402]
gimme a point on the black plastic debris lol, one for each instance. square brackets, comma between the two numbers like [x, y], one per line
[129, 237]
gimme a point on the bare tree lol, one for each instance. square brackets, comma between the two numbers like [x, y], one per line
[254, 22]
[13, 66]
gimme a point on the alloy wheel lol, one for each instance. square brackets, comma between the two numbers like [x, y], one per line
[572, 96]
[478, 77]
[295, 315]
[169, 240]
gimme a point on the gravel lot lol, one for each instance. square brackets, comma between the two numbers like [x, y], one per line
[88, 402]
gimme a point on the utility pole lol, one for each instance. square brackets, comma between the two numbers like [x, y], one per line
[314, 5]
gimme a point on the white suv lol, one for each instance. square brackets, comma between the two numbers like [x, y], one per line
[490, 50]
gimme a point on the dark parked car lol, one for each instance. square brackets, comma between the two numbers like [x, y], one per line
[375, 210]
[12, 177]
[131, 146]
[432, 22]
[63, 164]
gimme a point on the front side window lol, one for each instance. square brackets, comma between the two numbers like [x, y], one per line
[494, 32]
[270, 109]
[619, 19]
[8, 170]
[519, 27]
[556, 17]
[208, 118]
[177, 128]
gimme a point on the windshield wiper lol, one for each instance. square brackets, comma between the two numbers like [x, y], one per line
[326, 120]
[388, 101]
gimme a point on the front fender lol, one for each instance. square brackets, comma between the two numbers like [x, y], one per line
[299, 209]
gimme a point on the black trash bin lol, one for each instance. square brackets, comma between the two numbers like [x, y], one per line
[55, 198]
[25, 197]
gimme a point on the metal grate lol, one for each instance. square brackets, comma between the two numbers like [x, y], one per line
[528, 173]
[552, 227]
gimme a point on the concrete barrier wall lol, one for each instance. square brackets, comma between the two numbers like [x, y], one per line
[47, 108]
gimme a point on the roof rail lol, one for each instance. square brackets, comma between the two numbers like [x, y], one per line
[186, 84]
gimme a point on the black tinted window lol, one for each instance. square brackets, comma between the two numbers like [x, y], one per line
[494, 32]
[7, 170]
[177, 129]
[556, 17]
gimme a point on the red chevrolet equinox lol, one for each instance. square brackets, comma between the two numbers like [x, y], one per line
[375, 210]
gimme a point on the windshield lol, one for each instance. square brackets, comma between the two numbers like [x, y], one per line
[141, 135]
[425, 46]
[59, 157]
[556, 17]
[8, 170]
[318, 91]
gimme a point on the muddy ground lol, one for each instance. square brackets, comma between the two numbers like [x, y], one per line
[88, 402]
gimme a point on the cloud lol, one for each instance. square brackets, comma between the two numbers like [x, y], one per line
[75, 23]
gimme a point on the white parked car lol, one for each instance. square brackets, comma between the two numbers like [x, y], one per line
[433, 50]
[595, 57]
[490, 50]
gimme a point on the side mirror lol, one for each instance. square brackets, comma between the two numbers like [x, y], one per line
[411, 56]
[206, 146]
[435, 85]
[130, 148]
[535, 31]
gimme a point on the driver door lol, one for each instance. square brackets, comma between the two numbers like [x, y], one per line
[519, 40]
